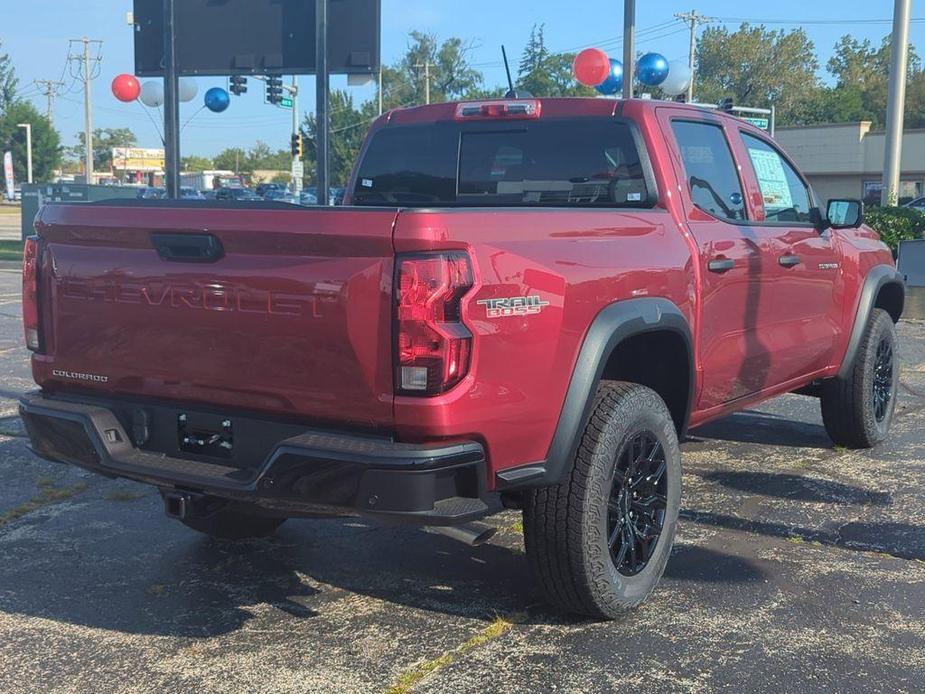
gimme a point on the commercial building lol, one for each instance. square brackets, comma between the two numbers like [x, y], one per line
[845, 160]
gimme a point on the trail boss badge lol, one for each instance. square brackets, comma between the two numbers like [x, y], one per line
[513, 306]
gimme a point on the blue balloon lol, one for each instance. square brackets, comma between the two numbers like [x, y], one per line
[614, 82]
[217, 100]
[652, 69]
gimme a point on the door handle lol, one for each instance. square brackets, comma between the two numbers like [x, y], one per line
[188, 248]
[789, 260]
[721, 265]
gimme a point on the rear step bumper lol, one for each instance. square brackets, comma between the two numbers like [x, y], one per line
[307, 474]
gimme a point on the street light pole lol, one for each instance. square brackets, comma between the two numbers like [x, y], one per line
[629, 47]
[28, 128]
[896, 102]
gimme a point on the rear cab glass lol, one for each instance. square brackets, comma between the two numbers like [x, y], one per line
[571, 162]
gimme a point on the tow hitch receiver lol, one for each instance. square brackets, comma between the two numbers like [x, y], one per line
[180, 505]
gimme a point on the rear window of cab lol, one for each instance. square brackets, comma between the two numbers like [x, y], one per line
[558, 162]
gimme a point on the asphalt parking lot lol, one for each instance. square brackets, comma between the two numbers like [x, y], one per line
[798, 567]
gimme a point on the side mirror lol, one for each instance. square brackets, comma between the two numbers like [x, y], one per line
[845, 214]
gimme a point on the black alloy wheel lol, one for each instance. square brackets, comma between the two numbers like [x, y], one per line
[883, 379]
[638, 503]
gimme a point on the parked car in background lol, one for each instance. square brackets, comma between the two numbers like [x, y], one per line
[239, 194]
[151, 193]
[916, 204]
[308, 199]
[263, 188]
[281, 196]
[335, 195]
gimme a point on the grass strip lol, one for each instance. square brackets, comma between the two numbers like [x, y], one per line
[48, 495]
[410, 679]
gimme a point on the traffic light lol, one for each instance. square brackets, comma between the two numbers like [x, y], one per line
[238, 85]
[297, 149]
[274, 90]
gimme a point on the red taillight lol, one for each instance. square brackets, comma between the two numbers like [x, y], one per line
[524, 108]
[30, 293]
[433, 345]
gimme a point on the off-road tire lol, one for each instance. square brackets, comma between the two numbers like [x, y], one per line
[566, 525]
[848, 407]
[233, 524]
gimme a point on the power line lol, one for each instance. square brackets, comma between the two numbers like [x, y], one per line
[89, 66]
[753, 20]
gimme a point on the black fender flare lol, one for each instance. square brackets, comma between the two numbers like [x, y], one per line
[877, 278]
[614, 324]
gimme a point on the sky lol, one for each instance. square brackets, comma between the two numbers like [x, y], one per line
[36, 32]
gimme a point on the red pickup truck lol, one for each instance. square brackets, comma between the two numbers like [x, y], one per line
[522, 303]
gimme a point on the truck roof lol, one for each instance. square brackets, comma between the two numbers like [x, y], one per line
[555, 107]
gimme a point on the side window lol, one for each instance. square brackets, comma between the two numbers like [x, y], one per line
[711, 171]
[786, 198]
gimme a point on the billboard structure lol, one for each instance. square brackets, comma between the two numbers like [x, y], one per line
[258, 37]
[254, 37]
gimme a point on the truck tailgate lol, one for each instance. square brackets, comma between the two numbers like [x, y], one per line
[293, 318]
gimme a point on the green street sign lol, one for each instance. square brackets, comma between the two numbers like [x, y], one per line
[762, 123]
[286, 102]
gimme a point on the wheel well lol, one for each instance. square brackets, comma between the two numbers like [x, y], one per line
[659, 360]
[891, 298]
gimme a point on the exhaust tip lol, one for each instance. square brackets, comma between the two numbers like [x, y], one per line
[472, 534]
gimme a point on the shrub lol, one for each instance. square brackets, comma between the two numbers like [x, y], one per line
[895, 224]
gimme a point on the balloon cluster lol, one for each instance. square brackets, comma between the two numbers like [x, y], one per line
[594, 68]
[127, 88]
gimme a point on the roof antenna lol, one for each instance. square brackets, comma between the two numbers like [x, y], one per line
[512, 93]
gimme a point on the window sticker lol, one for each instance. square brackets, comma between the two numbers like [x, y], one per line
[367, 183]
[772, 179]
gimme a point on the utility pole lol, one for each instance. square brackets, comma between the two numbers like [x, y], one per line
[896, 102]
[28, 129]
[693, 19]
[86, 73]
[322, 115]
[171, 104]
[629, 47]
[49, 89]
[426, 65]
[380, 90]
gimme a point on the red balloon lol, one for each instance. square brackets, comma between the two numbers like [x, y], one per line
[126, 88]
[591, 67]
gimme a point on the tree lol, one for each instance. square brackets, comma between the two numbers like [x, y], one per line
[233, 159]
[862, 70]
[8, 81]
[757, 67]
[348, 129]
[451, 75]
[46, 143]
[104, 140]
[542, 73]
[196, 163]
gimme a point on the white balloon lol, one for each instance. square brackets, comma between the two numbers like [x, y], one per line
[188, 89]
[152, 94]
[678, 80]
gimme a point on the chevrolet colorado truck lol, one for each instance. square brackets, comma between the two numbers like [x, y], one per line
[523, 303]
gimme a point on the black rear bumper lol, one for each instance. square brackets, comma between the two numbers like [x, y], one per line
[308, 473]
